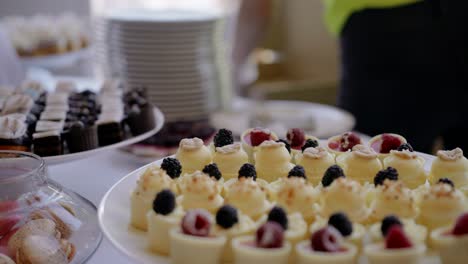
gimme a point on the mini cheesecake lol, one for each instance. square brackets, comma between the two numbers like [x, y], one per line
[409, 165]
[384, 143]
[193, 155]
[450, 164]
[272, 160]
[361, 164]
[352, 232]
[253, 137]
[315, 162]
[229, 159]
[452, 242]
[417, 233]
[343, 143]
[201, 191]
[298, 141]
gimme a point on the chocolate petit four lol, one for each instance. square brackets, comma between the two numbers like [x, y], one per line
[13, 134]
[48, 143]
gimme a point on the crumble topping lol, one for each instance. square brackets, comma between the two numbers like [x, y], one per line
[315, 153]
[191, 143]
[364, 151]
[450, 155]
[404, 154]
[229, 149]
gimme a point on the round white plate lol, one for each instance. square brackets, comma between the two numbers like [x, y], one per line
[114, 218]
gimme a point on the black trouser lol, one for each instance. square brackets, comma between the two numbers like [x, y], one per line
[404, 71]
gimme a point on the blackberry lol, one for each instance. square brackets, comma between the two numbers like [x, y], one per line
[332, 173]
[213, 171]
[405, 146]
[297, 171]
[227, 216]
[310, 143]
[278, 215]
[446, 181]
[172, 167]
[388, 222]
[342, 223]
[223, 137]
[248, 170]
[286, 144]
[387, 174]
[164, 203]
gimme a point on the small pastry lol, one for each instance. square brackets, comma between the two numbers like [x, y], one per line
[267, 247]
[294, 226]
[298, 141]
[343, 143]
[247, 170]
[384, 143]
[248, 196]
[253, 137]
[38, 227]
[398, 248]
[199, 190]
[230, 223]
[194, 242]
[417, 233]
[409, 165]
[352, 233]
[48, 143]
[441, 205]
[229, 159]
[452, 242]
[45, 250]
[450, 164]
[222, 138]
[347, 196]
[326, 246]
[272, 160]
[151, 182]
[193, 155]
[17, 103]
[315, 160]
[13, 134]
[164, 216]
[361, 164]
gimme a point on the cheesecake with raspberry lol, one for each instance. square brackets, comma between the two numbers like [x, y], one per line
[272, 160]
[360, 164]
[315, 160]
[298, 141]
[351, 232]
[417, 233]
[450, 164]
[253, 137]
[452, 241]
[343, 143]
[193, 155]
[230, 159]
[409, 165]
[384, 143]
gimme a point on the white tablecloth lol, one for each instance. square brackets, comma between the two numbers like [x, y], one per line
[91, 178]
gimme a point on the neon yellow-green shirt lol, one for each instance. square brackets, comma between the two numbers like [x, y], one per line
[337, 12]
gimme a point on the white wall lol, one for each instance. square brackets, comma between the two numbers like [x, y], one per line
[31, 7]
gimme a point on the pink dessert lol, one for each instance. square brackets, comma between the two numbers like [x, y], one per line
[397, 239]
[256, 136]
[10, 220]
[196, 223]
[386, 142]
[345, 142]
[327, 239]
[269, 235]
[296, 138]
[461, 226]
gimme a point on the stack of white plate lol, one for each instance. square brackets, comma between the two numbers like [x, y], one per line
[179, 56]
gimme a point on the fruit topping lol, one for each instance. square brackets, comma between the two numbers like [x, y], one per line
[297, 171]
[258, 135]
[327, 239]
[196, 222]
[296, 137]
[172, 167]
[388, 222]
[389, 173]
[405, 146]
[461, 226]
[332, 173]
[286, 144]
[310, 143]
[348, 141]
[278, 215]
[223, 137]
[270, 235]
[389, 142]
[397, 239]
[248, 170]
[227, 216]
[213, 171]
[342, 223]
[164, 203]
[446, 181]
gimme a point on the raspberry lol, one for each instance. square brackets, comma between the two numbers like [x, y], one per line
[396, 238]
[389, 142]
[446, 181]
[223, 137]
[461, 226]
[164, 203]
[388, 222]
[172, 167]
[258, 135]
[387, 174]
[270, 235]
[405, 146]
[197, 222]
[286, 144]
[297, 171]
[342, 223]
[327, 239]
[310, 143]
[296, 137]
[213, 171]
[332, 173]
[248, 170]
[278, 215]
[227, 216]
[349, 140]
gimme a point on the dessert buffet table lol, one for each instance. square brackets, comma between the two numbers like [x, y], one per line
[91, 178]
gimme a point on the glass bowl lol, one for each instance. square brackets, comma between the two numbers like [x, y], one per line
[41, 221]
